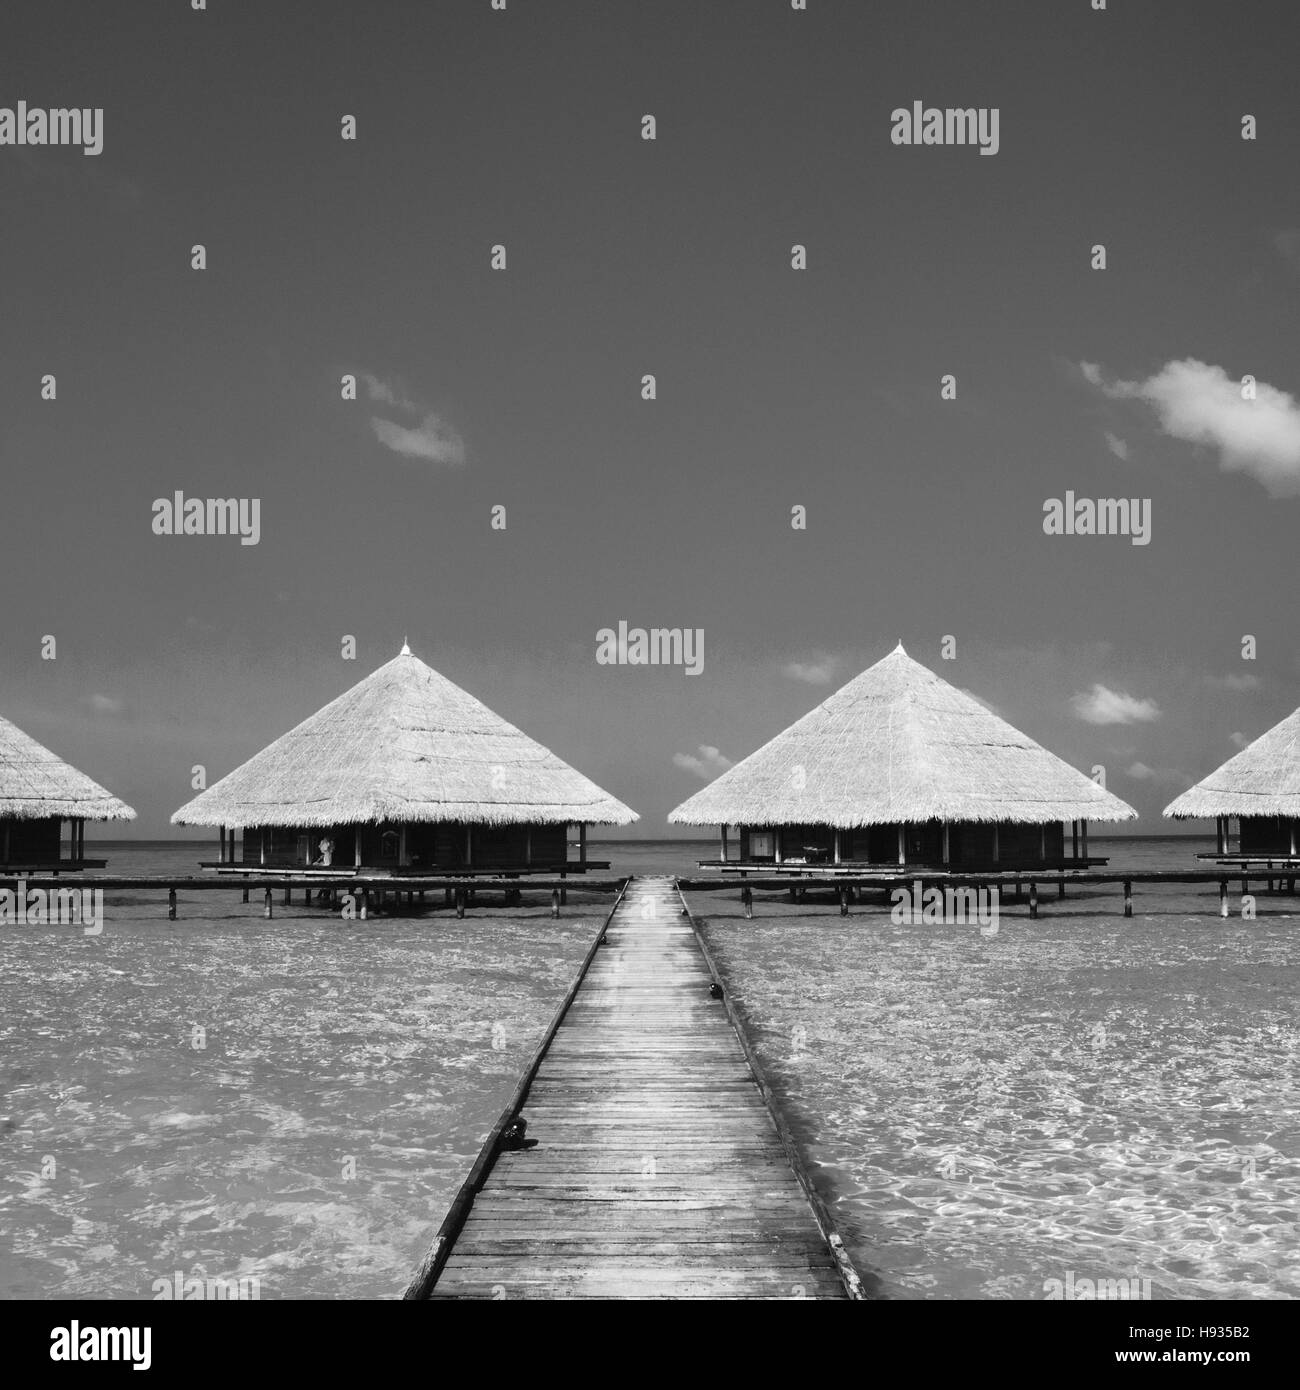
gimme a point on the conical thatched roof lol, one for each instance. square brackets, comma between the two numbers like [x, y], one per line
[1262, 780]
[405, 744]
[35, 783]
[899, 744]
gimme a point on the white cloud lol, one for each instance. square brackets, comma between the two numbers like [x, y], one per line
[1239, 740]
[1202, 404]
[1236, 683]
[431, 439]
[389, 393]
[707, 765]
[105, 704]
[980, 700]
[820, 671]
[1287, 244]
[1116, 445]
[1101, 705]
[1140, 772]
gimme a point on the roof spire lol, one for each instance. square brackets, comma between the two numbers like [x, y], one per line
[406, 650]
[899, 648]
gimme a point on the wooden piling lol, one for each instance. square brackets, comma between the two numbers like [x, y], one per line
[555, 902]
[1033, 899]
[171, 904]
[1223, 897]
[266, 907]
[1128, 897]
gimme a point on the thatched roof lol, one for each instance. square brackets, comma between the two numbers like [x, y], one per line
[35, 783]
[405, 744]
[1262, 780]
[899, 744]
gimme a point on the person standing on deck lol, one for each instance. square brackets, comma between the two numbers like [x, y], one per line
[326, 848]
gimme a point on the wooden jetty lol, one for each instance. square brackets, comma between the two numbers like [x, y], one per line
[376, 890]
[850, 887]
[657, 1165]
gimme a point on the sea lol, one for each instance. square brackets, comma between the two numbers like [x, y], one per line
[285, 1107]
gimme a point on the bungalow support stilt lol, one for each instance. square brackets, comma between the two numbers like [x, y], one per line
[902, 844]
[582, 843]
[722, 843]
[947, 854]
[839, 858]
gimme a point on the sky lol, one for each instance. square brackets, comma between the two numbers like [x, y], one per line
[775, 388]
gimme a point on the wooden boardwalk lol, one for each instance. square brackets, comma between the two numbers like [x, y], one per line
[660, 1170]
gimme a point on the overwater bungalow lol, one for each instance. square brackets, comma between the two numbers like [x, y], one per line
[408, 773]
[39, 792]
[899, 768]
[1260, 789]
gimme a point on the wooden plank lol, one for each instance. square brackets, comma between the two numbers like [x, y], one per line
[659, 1169]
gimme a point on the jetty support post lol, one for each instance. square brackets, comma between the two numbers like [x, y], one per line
[1033, 899]
[747, 897]
[266, 906]
[1223, 897]
[555, 902]
[171, 904]
[1128, 897]
[844, 902]
[1060, 886]
[460, 902]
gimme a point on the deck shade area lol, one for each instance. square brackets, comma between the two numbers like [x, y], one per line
[40, 794]
[1259, 788]
[901, 768]
[403, 771]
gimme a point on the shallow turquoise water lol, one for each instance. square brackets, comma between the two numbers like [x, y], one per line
[1116, 1099]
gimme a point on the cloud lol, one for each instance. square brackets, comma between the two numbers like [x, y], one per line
[1101, 705]
[1240, 740]
[389, 393]
[707, 765]
[104, 704]
[980, 700]
[432, 439]
[1230, 682]
[1287, 245]
[1116, 445]
[1140, 772]
[818, 672]
[1201, 404]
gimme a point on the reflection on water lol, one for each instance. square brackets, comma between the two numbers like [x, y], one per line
[1082, 1093]
[311, 1135]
